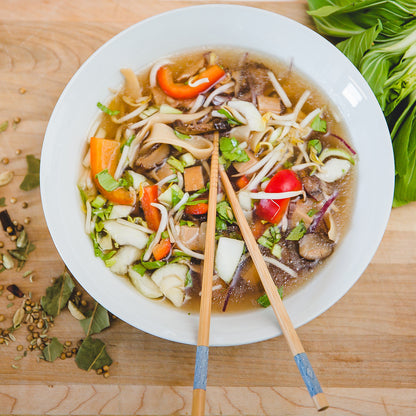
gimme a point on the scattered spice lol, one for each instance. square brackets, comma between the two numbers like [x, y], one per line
[22, 90]
[27, 220]
[4, 125]
[13, 289]
[10, 297]
[18, 151]
[6, 177]
[5, 161]
[13, 200]
[25, 205]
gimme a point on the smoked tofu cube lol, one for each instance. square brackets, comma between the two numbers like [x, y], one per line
[194, 178]
[191, 237]
[272, 104]
[243, 166]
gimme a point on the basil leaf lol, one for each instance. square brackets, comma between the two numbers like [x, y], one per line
[31, 179]
[92, 355]
[106, 110]
[107, 181]
[298, 232]
[53, 350]
[96, 320]
[318, 124]
[57, 295]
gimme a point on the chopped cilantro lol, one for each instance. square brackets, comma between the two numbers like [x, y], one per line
[298, 232]
[316, 144]
[264, 299]
[318, 124]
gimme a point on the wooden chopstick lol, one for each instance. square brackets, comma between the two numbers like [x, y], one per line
[201, 359]
[282, 316]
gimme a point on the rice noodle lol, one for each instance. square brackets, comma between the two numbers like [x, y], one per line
[135, 226]
[218, 91]
[131, 115]
[182, 246]
[281, 266]
[122, 164]
[206, 167]
[162, 227]
[155, 68]
[166, 179]
[197, 104]
[300, 104]
[274, 195]
[280, 91]
[301, 147]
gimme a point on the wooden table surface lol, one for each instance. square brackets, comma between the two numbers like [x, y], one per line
[363, 349]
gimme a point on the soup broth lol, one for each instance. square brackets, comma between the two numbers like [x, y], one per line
[145, 177]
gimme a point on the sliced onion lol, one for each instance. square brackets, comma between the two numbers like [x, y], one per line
[280, 91]
[344, 143]
[281, 266]
[182, 246]
[217, 91]
[320, 214]
[155, 68]
[180, 179]
[193, 84]
[131, 115]
[134, 225]
[162, 227]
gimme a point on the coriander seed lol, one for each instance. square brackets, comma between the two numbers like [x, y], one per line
[18, 151]
[13, 238]
[27, 220]
[29, 338]
[25, 205]
[5, 161]
[106, 368]
[9, 229]
[17, 120]
[99, 371]
[22, 90]
[10, 296]
[19, 347]
[106, 374]
[1, 318]
[68, 343]
[1, 244]
[84, 303]
[68, 354]
[13, 200]
[1, 340]
[63, 356]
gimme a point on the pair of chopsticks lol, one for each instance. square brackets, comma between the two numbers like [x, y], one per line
[288, 330]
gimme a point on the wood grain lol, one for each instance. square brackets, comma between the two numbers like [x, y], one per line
[363, 348]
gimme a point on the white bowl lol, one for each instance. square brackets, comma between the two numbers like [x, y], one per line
[187, 29]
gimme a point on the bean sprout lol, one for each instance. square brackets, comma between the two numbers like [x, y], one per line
[281, 266]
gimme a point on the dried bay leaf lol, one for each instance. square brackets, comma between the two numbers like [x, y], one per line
[92, 355]
[53, 350]
[96, 320]
[57, 295]
[31, 180]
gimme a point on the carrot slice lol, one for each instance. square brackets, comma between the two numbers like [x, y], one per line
[162, 249]
[105, 154]
[242, 182]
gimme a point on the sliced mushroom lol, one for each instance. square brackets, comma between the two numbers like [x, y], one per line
[315, 246]
[155, 157]
[206, 125]
[131, 85]
[313, 187]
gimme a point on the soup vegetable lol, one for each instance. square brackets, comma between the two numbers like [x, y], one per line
[145, 177]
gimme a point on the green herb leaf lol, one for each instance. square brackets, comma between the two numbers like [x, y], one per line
[107, 181]
[96, 320]
[196, 202]
[264, 299]
[182, 136]
[152, 265]
[316, 144]
[225, 212]
[57, 295]
[318, 124]
[188, 280]
[231, 120]
[175, 196]
[92, 354]
[312, 212]
[187, 223]
[106, 110]
[31, 179]
[231, 151]
[128, 142]
[2, 201]
[298, 232]
[53, 350]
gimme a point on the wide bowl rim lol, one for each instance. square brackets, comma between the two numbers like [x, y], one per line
[61, 244]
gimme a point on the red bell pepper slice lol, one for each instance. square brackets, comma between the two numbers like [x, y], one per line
[151, 213]
[162, 249]
[273, 210]
[105, 154]
[182, 91]
[197, 209]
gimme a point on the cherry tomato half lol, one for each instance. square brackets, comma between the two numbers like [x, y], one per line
[273, 210]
